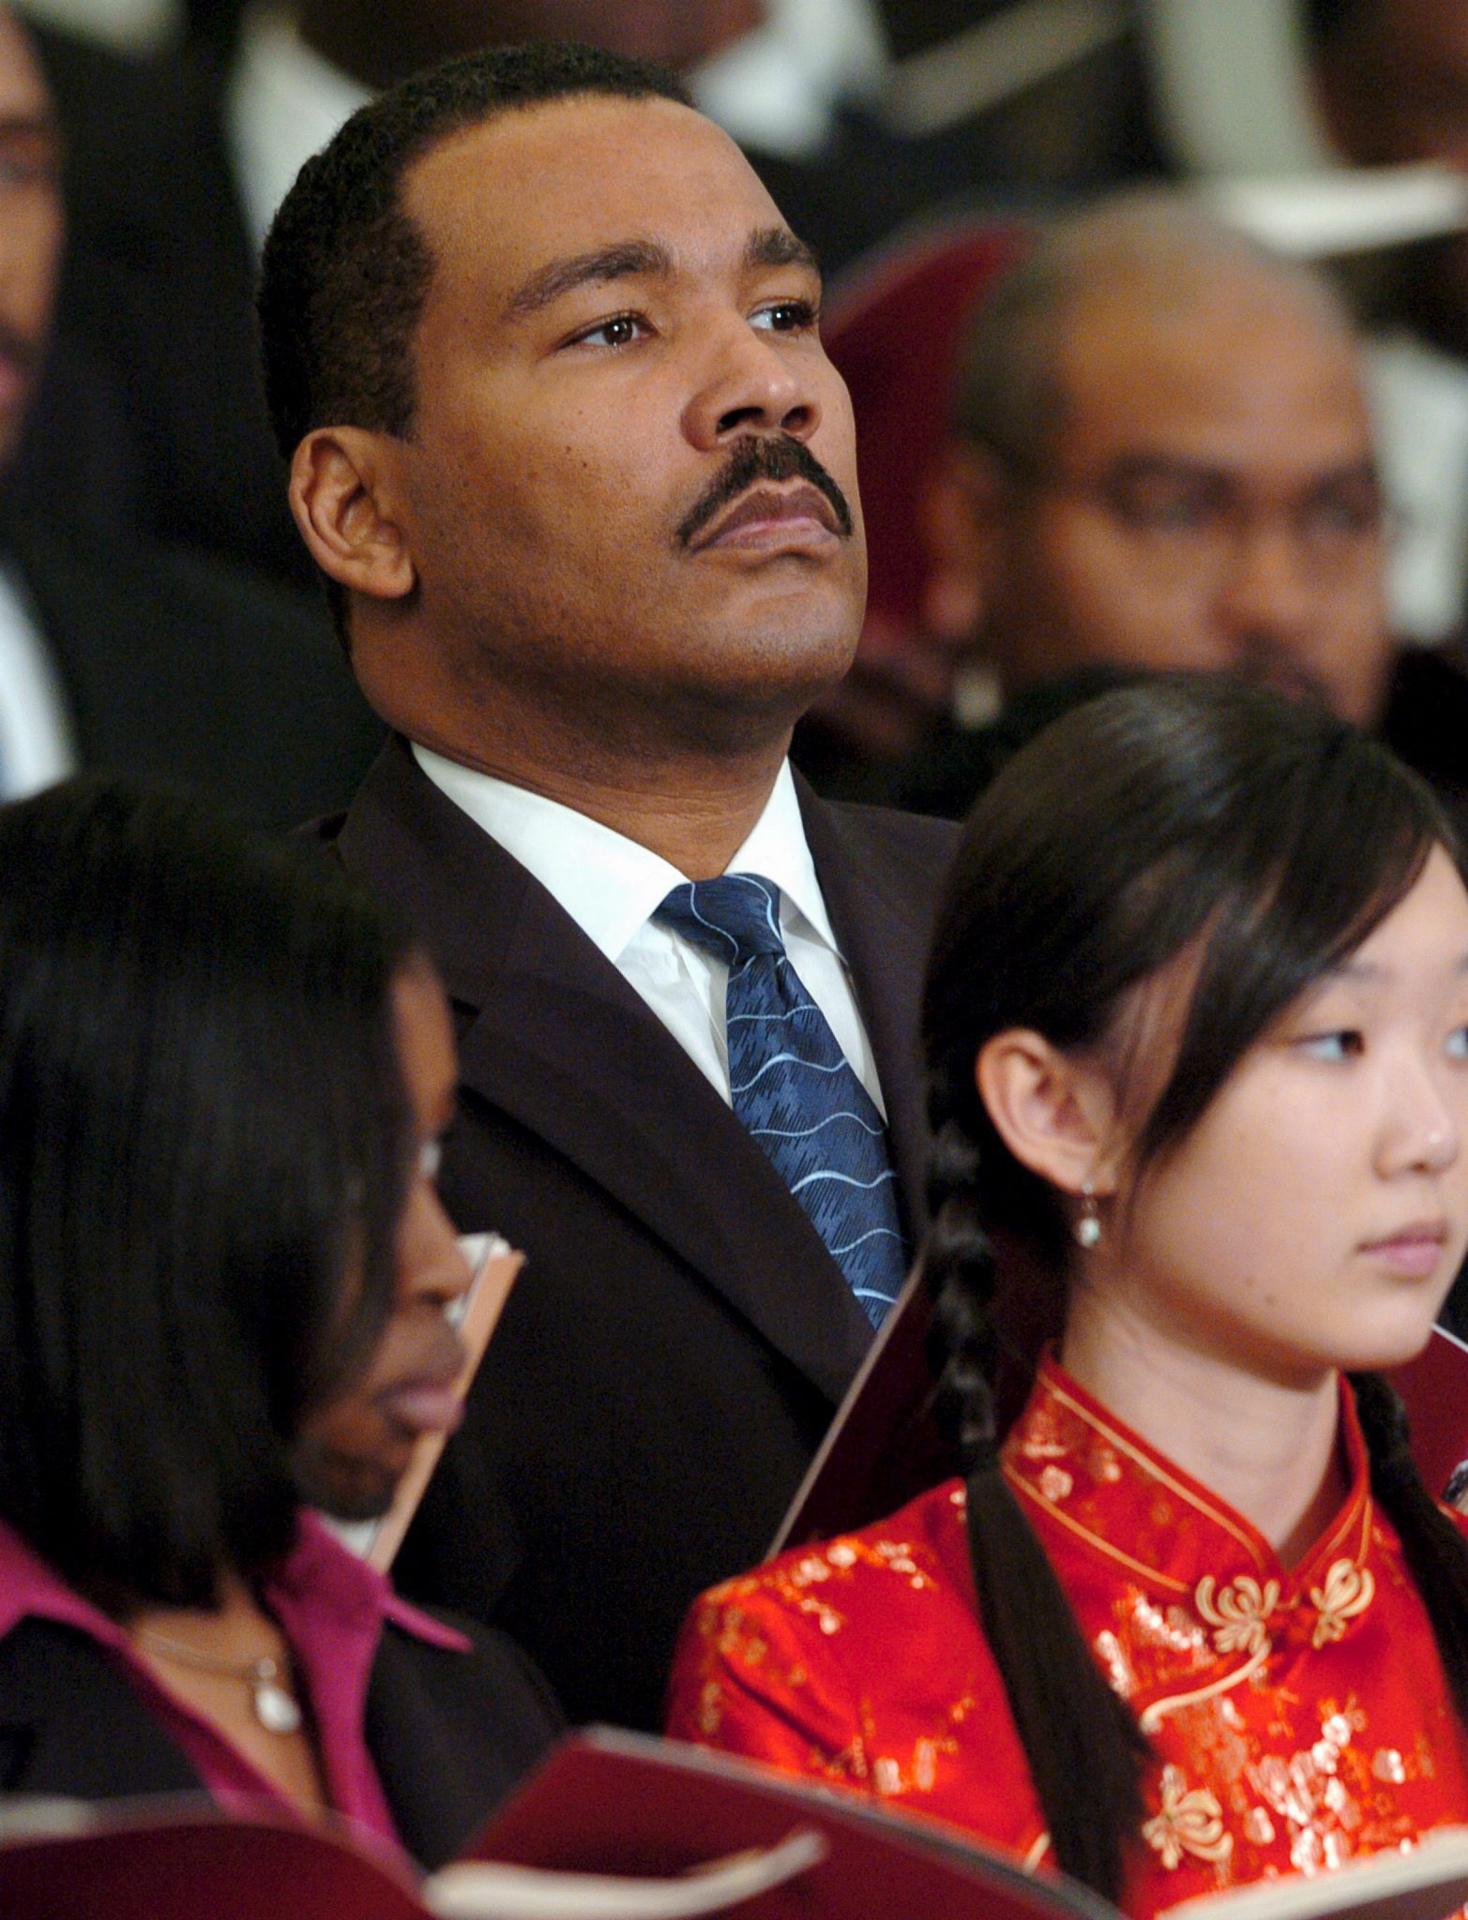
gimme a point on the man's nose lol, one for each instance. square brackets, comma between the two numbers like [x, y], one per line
[1266, 592]
[748, 381]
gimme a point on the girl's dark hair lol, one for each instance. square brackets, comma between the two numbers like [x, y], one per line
[204, 1144]
[1268, 840]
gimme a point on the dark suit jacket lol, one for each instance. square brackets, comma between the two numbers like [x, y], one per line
[450, 1733]
[680, 1336]
[178, 668]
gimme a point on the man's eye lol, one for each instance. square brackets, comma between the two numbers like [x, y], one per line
[785, 316]
[1457, 1044]
[620, 331]
[1343, 516]
[1166, 509]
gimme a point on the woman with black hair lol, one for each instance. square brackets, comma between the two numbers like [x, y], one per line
[1196, 1025]
[223, 1275]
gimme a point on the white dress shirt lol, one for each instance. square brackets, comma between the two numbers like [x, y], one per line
[35, 732]
[611, 886]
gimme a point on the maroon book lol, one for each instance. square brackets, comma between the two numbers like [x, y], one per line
[620, 1826]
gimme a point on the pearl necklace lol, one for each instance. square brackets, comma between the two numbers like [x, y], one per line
[275, 1707]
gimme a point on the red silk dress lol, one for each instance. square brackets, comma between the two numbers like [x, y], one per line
[1299, 1717]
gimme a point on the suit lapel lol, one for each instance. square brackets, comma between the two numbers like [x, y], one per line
[556, 1039]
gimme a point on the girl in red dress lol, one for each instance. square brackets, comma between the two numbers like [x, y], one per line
[1197, 1032]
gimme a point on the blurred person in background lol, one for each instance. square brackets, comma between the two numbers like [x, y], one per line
[114, 652]
[224, 1270]
[1163, 457]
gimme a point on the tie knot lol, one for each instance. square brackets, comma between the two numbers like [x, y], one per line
[732, 918]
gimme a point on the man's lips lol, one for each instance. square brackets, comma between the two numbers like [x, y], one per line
[1414, 1250]
[771, 515]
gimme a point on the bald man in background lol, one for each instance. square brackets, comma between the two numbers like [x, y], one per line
[1163, 458]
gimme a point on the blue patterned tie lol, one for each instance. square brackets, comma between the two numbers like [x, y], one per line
[793, 1088]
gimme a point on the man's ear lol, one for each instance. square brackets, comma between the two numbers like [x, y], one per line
[960, 521]
[343, 493]
[1055, 1112]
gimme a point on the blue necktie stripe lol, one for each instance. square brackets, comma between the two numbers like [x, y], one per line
[793, 1088]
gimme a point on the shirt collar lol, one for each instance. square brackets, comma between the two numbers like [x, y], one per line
[321, 1569]
[609, 884]
[31, 1589]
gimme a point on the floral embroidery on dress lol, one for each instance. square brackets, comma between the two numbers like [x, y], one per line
[891, 1780]
[1190, 1822]
[1240, 1615]
[1298, 1720]
[1347, 1592]
[1239, 1610]
[1056, 1483]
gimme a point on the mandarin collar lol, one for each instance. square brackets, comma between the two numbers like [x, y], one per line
[1104, 1484]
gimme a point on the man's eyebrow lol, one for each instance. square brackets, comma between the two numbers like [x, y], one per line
[617, 262]
[766, 247]
[1365, 470]
[1149, 460]
[1143, 463]
[779, 247]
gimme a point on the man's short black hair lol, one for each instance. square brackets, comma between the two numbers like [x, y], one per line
[345, 271]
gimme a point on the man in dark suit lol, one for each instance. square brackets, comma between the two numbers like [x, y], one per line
[564, 439]
[115, 652]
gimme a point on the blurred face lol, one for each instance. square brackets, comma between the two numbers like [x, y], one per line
[355, 1451]
[30, 226]
[1211, 502]
[629, 489]
[1318, 1212]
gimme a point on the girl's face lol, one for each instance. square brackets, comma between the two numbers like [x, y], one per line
[1317, 1213]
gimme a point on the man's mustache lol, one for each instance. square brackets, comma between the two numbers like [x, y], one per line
[764, 457]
